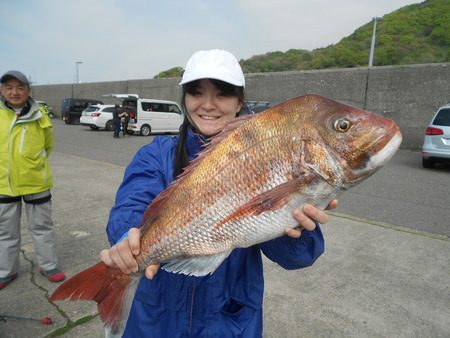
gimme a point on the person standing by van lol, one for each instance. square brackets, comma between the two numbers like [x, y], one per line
[116, 120]
[26, 140]
[127, 115]
[125, 118]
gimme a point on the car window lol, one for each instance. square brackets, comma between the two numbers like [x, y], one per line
[91, 109]
[442, 118]
[155, 107]
[171, 108]
[152, 106]
[146, 106]
[129, 103]
[109, 109]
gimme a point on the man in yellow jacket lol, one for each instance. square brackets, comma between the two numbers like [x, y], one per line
[26, 140]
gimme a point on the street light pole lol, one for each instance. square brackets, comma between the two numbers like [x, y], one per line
[76, 65]
[372, 45]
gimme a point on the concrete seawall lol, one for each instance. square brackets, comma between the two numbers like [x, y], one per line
[407, 94]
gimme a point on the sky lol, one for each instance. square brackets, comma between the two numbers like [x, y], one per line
[116, 40]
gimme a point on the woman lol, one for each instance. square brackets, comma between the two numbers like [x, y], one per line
[227, 303]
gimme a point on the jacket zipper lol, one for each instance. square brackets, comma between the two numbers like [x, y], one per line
[22, 139]
[191, 312]
[11, 155]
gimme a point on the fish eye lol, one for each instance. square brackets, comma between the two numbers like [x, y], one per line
[342, 125]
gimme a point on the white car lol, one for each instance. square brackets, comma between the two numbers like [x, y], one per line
[436, 144]
[98, 116]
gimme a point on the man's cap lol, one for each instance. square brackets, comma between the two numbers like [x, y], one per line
[214, 64]
[14, 74]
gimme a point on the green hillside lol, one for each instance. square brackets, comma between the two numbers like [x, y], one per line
[413, 34]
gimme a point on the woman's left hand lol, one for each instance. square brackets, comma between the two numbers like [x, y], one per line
[307, 216]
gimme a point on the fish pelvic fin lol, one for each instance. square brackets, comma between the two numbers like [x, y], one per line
[109, 287]
[196, 266]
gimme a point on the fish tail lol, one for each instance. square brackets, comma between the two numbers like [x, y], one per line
[109, 287]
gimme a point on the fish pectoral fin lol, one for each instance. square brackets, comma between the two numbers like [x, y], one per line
[196, 266]
[272, 199]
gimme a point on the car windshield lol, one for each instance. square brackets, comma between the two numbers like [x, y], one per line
[443, 118]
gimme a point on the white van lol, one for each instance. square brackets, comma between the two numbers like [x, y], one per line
[150, 115]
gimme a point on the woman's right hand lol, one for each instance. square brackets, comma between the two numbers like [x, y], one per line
[122, 255]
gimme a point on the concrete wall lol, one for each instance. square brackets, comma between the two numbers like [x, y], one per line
[407, 94]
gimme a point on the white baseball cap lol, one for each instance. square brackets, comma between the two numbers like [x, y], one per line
[214, 64]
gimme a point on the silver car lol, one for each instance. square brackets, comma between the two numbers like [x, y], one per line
[436, 145]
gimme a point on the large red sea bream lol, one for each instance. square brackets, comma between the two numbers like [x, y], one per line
[242, 191]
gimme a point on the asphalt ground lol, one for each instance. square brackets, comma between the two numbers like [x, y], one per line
[374, 280]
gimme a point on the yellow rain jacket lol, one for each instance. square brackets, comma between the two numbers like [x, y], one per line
[25, 145]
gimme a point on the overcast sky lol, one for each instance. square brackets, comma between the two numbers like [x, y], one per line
[137, 39]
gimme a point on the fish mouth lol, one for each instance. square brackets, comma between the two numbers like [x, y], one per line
[382, 152]
[380, 158]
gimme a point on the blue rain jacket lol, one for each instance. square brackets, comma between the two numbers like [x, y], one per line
[227, 303]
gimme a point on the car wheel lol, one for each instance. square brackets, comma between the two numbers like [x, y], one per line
[68, 119]
[109, 126]
[145, 130]
[427, 163]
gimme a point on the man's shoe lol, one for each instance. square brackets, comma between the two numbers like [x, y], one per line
[55, 275]
[4, 281]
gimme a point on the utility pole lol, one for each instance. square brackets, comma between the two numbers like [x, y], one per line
[372, 45]
[77, 73]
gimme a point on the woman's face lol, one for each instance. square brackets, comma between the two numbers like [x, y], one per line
[210, 109]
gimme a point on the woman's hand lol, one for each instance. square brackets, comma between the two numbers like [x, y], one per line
[307, 218]
[122, 255]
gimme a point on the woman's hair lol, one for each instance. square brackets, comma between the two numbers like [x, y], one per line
[181, 155]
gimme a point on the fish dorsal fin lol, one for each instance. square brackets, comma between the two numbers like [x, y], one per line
[196, 266]
[158, 202]
[270, 200]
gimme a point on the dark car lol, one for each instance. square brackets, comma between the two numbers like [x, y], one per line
[254, 107]
[71, 108]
